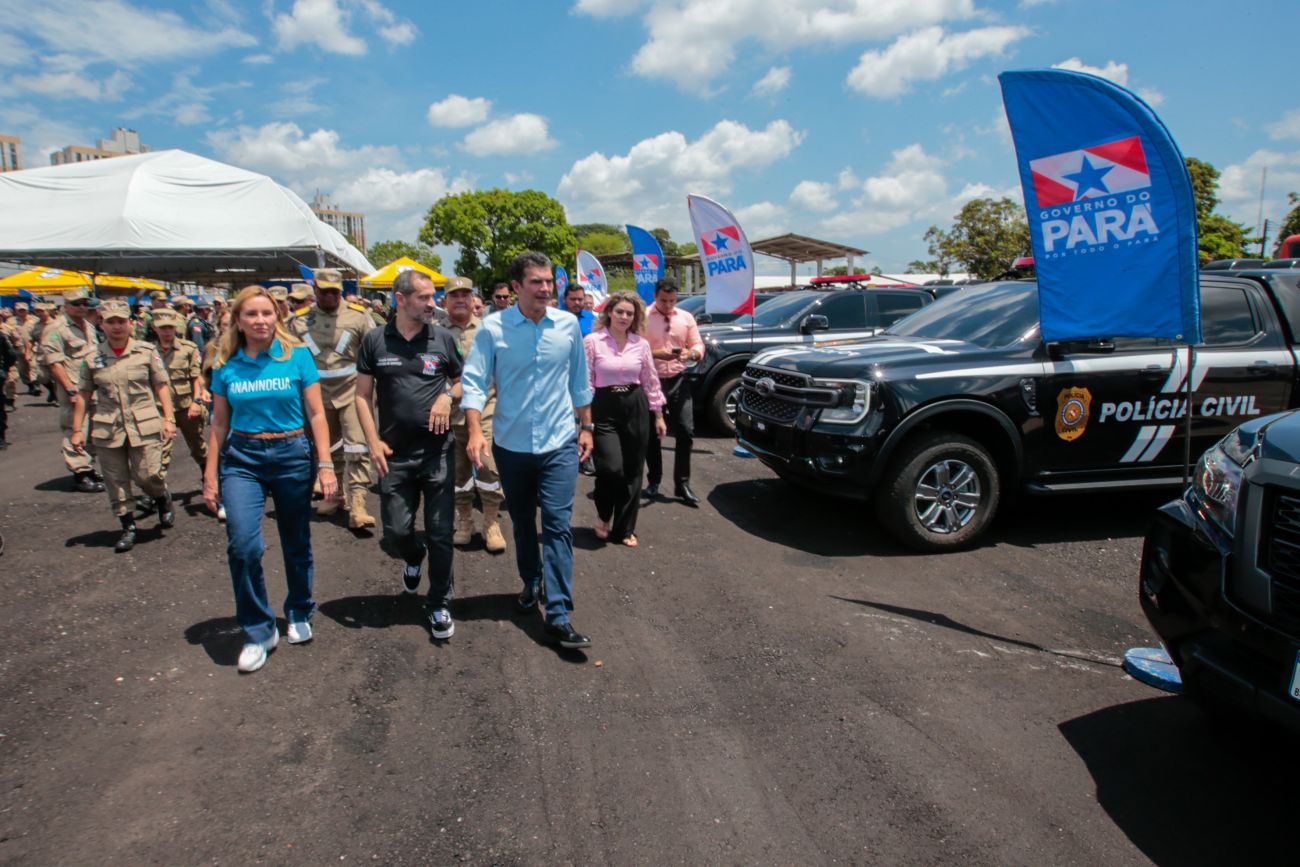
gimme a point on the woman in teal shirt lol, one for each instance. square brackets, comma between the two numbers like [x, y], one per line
[265, 393]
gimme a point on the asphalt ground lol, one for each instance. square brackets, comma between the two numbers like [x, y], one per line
[772, 682]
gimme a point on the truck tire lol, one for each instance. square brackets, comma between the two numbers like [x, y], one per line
[940, 493]
[723, 401]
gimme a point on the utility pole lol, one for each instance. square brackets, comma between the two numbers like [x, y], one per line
[1263, 240]
[1259, 219]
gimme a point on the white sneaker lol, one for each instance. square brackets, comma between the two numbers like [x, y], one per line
[221, 513]
[441, 624]
[299, 632]
[253, 656]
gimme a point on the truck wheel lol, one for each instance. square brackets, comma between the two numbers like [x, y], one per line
[940, 494]
[723, 402]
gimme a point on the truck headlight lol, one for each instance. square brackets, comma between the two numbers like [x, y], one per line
[1217, 483]
[854, 403]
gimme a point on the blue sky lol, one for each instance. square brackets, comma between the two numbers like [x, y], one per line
[858, 121]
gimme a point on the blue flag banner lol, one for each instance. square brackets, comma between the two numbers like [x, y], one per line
[1112, 216]
[647, 262]
[561, 281]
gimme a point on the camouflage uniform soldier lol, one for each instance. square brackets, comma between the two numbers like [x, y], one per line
[332, 331]
[23, 322]
[458, 298]
[44, 315]
[185, 371]
[66, 343]
[127, 382]
[144, 330]
[9, 333]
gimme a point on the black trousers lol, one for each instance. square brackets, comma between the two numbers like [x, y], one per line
[622, 421]
[679, 416]
[428, 475]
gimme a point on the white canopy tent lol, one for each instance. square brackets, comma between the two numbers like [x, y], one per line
[168, 214]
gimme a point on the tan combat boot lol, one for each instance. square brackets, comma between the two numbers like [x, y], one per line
[493, 539]
[359, 519]
[464, 524]
[329, 507]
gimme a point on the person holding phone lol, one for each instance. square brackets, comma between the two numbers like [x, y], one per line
[675, 344]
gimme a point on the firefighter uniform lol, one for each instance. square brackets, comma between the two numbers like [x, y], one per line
[184, 368]
[333, 339]
[126, 426]
[67, 345]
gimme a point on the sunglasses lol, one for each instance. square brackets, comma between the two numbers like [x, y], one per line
[78, 303]
[501, 297]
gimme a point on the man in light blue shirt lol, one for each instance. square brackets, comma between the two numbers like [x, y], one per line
[533, 354]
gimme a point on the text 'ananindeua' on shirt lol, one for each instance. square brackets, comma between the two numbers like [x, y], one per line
[265, 393]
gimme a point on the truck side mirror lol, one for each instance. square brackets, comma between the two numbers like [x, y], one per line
[814, 322]
[703, 318]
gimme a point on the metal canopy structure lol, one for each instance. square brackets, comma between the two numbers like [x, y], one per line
[687, 267]
[796, 249]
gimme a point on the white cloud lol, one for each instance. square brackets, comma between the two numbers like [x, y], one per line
[776, 80]
[1151, 96]
[691, 41]
[282, 147]
[513, 178]
[318, 22]
[911, 186]
[1239, 186]
[926, 55]
[259, 59]
[517, 134]
[1287, 127]
[40, 134]
[299, 98]
[648, 185]
[1116, 72]
[762, 220]
[398, 34]
[116, 31]
[74, 84]
[383, 190]
[607, 8]
[457, 110]
[186, 102]
[813, 196]
[847, 180]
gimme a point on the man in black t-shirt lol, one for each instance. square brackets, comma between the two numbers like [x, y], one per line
[408, 368]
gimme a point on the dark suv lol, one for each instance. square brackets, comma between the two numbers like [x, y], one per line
[1220, 579]
[803, 318]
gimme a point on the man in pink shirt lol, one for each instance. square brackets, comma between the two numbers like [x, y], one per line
[675, 344]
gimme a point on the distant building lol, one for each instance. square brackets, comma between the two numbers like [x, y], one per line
[11, 153]
[124, 141]
[346, 222]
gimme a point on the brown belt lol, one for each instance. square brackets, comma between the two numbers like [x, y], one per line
[269, 435]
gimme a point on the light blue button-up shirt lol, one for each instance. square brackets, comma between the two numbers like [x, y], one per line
[540, 372]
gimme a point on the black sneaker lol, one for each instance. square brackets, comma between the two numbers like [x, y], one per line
[411, 578]
[527, 600]
[440, 623]
[566, 636]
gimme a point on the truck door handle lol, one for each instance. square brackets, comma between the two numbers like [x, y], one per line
[1261, 363]
[1154, 371]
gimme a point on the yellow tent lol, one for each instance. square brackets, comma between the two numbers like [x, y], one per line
[52, 281]
[384, 277]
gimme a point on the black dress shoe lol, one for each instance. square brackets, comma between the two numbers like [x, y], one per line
[566, 636]
[686, 495]
[86, 484]
[527, 600]
[166, 514]
[651, 491]
[127, 541]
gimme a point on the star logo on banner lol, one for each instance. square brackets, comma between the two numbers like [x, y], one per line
[1088, 178]
[720, 241]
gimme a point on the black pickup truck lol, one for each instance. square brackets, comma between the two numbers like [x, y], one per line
[805, 317]
[962, 405]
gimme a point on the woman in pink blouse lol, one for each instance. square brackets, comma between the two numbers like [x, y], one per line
[622, 372]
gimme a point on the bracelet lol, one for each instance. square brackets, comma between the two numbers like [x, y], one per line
[325, 465]
[589, 428]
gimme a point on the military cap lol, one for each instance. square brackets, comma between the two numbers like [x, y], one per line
[47, 306]
[181, 299]
[94, 303]
[458, 284]
[279, 293]
[158, 294]
[21, 305]
[203, 304]
[81, 293]
[115, 308]
[329, 277]
[300, 292]
[167, 317]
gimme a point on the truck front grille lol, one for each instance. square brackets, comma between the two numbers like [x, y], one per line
[1279, 548]
[791, 392]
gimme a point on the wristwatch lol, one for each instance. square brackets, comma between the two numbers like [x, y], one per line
[589, 428]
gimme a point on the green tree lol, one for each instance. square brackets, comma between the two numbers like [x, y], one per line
[986, 236]
[603, 243]
[580, 229]
[666, 241]
[836, 271]
[1218, 237]
[492, 227]
[384, 252]
[919, 266]
[690, 248]
[1290, 225]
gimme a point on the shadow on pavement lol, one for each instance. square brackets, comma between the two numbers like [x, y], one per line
[220, 637]
[1186, 792]
[376, 612]
[144, 534]
[58, 483]
[943, 620]
[1038, 520]
[779, 512]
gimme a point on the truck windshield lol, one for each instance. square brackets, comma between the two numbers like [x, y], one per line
[778, 310]
[989, 316]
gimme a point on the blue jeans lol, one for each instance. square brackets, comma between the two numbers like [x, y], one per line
[251, 469]
[548, 480]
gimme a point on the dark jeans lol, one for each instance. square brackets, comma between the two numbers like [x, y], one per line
[429, 474]
[679, 416]
[622, 420]
[251, 469]
[548, 481]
